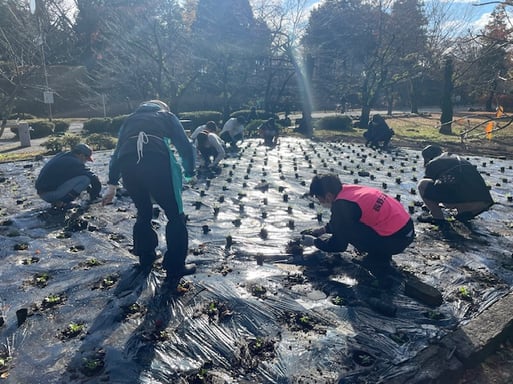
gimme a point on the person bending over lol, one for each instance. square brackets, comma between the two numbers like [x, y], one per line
[454, 183]
[210, 147]
[144, 159]
[367, 218]
[233, 131]
[65, 176]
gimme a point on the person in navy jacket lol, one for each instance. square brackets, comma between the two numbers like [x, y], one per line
[144, 159]
[65, 176]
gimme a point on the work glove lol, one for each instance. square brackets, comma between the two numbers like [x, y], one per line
[307, 240]
[109, 195]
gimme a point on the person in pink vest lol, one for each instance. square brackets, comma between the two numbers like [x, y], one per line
[365, 217]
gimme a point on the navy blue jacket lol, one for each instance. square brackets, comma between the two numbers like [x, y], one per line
[160, 127]
[61, 168]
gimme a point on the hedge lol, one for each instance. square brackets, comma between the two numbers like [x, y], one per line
[38, 129]
[335, 123]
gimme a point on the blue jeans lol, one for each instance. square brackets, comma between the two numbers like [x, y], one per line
[67, 191]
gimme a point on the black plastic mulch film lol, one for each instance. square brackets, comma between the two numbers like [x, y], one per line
[258, 310]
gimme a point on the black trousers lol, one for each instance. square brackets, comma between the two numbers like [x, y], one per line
[151, 180]
[382, 247]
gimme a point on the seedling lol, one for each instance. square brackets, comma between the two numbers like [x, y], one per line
[93, 262]
[464, 293]
[337, 300]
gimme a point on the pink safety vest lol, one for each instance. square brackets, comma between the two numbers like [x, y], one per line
[381, 212]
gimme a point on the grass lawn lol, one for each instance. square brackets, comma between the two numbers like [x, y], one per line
[418, 131]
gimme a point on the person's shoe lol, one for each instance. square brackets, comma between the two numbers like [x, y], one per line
[186, 269]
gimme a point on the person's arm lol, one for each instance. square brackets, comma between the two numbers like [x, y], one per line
[114, 172]
[182, 144]
[344, 215]
[197, 131]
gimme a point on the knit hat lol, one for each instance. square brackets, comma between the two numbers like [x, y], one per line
[430, 152]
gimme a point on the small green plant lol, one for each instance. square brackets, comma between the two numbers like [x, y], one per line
[304, 320]
[41, 279]
[52, 300]
[93, 262]
[464, 293]
[75, 327]
[337, 300]
[92, 364]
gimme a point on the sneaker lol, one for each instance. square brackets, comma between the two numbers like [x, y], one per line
[186, 269]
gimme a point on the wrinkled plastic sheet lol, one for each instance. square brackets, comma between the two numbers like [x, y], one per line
[254, 312]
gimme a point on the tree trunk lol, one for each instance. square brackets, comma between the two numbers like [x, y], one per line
[446, 102]
[414, 97]
[364, 116]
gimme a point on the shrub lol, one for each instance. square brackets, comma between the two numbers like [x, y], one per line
[61, 126]
[116, 123]
[97, 125]
[261, 114]
[61, 143]
[335, 123]
[53, 145]
[38, 129]
[101, 141]
[199, 118]
[21, 116]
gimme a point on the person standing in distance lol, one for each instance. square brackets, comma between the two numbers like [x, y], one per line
[143, 158]
[65, 176]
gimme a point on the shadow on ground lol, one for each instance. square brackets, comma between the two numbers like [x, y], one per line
[75, 309]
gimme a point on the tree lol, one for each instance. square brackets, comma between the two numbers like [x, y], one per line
[229, 46]
[355, 50]
[446, 102]
[409, 26]
[286, 21]
[494, 60]
[138, 49]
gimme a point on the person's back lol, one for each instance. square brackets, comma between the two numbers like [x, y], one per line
[378, 132]
[454, 183]
[65, 176]
[151, 174]
[459, 177]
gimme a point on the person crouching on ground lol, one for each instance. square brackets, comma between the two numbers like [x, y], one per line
[269, 132]
[378, 132]
[454, 182]
[210, 146]
[210, 126]
[367, 218]
[233, 131]
[144, 159]
[65, 176]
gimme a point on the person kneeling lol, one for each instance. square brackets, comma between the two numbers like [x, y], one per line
[367, 218]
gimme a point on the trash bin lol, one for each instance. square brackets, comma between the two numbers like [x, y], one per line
[24, 134]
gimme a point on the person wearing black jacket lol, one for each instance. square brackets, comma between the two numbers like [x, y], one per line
[144, 159]
[453, 182]
[378, 132]
[65, 176]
